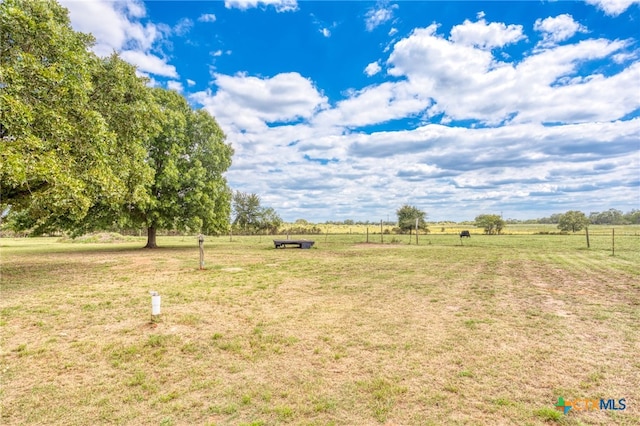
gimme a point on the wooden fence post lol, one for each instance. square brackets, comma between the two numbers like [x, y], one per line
[587, 232]
[613, 241]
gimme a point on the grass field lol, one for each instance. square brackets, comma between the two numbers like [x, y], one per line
[492, 331]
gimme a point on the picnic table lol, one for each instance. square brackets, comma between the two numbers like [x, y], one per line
[303, 244]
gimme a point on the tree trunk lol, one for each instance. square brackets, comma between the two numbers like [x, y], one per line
[151, 237]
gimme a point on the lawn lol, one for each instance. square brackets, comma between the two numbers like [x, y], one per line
[490, 330]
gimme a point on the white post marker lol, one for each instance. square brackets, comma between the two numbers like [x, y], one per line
[155, 304]
[201, 244]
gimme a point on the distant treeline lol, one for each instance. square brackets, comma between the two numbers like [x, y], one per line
[609, 217]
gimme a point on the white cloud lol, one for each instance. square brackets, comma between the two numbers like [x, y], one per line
[375, 104]
[470, 83]
[190, 82]
[613, 7]
[183, 27]
[392, 31]
[325, 32]
[175, 85]
[379, 14]
[486, 36]
[372, 69]
[247, 102]
[557, 29]
[117, 28]
[207, 17]
[279, 5]
[149, 63]
[451, 172]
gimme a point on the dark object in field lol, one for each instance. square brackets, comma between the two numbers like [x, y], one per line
[465, 234]
[303, 244]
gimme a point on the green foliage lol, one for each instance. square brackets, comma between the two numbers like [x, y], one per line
[407, 216]
[250, 217]
[613, 217]
[491, 223]
[53, 143]
[188, 157]
[573, 221]
[86, 145]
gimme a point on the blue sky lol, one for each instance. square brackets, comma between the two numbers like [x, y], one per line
[348, 110]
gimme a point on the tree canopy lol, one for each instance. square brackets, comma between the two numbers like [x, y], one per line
[407, 216]
[188, 158]
[85, 144]
[54, 143]
[491, 223]
[250, 217]
[573, 221]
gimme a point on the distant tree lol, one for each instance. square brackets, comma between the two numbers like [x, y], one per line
[246, 212]
[633, 217]
[573, 221]
[250, 217]
[491, 223]
[270, 221]
[609, 217]
[407, 216]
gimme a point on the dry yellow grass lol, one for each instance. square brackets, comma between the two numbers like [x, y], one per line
[491, 332]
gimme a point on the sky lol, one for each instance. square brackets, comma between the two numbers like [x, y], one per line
[351, 109]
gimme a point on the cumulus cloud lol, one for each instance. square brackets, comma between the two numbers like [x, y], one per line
[468, 82]
[249, 102]
[372, 69]
[207, 17]
[149, 63]
[486, 35]
[613, 7]
[533, 140]
[379, 14]
[117, 28]
[557, 29]
[175, 85]
[183, 27]
[279, 5]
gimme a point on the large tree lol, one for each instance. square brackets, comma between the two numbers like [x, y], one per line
[407, 216]
[73, 127]
[188, 157]
[573, 221]
[52, 162]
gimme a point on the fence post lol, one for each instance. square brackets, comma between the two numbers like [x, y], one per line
[367, 235]
[381, 237]
[613, 241]
[587, 232]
